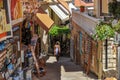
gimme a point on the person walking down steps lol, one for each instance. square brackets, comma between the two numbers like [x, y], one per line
[57, 50]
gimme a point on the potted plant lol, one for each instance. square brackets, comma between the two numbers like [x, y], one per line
[82, 8]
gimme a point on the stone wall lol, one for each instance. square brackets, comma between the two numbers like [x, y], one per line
[111, 57]
[111, 71]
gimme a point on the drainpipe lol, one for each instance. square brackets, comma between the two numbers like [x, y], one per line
[118, 56]
[106, 54]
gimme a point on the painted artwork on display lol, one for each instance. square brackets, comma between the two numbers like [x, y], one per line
[1, 3]
[5, 6]
[5, 28]
[16, 9]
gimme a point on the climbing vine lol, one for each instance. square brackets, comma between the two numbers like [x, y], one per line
[59, 30]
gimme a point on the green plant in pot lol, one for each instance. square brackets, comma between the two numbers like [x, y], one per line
[82, 8]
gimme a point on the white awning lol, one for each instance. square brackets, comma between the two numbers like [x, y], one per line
[71, 6]
[60, 11]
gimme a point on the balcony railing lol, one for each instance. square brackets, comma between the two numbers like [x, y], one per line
[85, 21]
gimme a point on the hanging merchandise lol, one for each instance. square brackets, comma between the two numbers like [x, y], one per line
[7, 75]
[2, 46]
[20, 72]
[22, 56]
[16, 77]
[29, 75]
[29, 53]
[34, 40]
[7, 61]
[28, 26]
[14, 60]
[10, 66]
[1, 77]
[15, 28]
[2, 58]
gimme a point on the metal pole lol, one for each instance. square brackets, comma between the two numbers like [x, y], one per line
[106, 54]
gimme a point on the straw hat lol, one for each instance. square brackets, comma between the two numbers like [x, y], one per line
[58, 42]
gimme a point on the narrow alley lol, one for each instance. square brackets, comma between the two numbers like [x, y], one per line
[64, 69]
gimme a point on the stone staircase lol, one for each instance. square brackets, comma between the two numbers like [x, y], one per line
[64, 69]
[71, 71]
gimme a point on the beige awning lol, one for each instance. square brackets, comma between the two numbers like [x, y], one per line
[63, 3]
[61, 12]
[44, 21]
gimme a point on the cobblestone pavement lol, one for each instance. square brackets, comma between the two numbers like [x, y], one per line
[64, 69]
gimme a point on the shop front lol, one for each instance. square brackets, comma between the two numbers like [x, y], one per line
[87, 51]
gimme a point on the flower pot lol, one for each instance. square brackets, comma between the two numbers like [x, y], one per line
[82, 9]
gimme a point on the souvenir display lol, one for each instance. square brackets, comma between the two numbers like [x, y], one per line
[2, 46]
[2, 58]
[9, 50]
[29, 75]
[1, 77]
[20, 72]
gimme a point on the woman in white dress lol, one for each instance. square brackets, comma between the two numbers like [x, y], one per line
[57, 50]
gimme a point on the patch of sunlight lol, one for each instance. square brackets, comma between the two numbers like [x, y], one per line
[51, 59]
[71, 73]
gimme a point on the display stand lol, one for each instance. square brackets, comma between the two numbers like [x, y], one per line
[35, 59]
[39, 64]
[13, 54]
